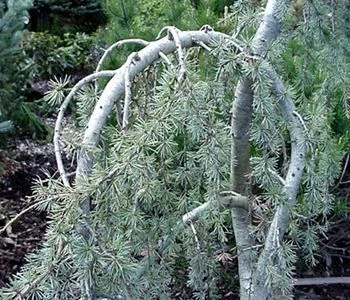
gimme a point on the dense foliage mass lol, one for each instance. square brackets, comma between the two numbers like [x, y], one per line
[118, 230]
[58, 16]
[13, 17]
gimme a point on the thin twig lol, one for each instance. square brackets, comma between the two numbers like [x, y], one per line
[332, 247]
[173, 34]
[195, 237]
[295, 113]
[240, 48]
[343, 172]
[204, 46]
[87, 288]
[14, 219]
[164, 29]
[228, 200]
[30, 286]
[118, 45]
[281, 180]
[231, 193]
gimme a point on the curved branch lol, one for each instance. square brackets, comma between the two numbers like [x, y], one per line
[58, 125]
[204, 46]
[14, 219]
[242, 109]
[118, 45]
[166, 59]
[116, 88]
[280, 221]
[175, 36]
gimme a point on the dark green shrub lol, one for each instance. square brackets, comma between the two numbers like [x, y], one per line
[58, 16]
[45, 54]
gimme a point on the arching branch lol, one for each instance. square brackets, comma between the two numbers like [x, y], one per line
[63, 108]
[118, 45]
[281, 217]
[116, 87]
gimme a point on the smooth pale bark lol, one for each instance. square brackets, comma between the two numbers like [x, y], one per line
[112, 92]
[240, 168]
[237, 202]
[116, 87]
[63, 108]
[240, 124]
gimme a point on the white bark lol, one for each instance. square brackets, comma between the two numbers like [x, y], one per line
[118, 45]
[241, 120]
[116, 88]
[240, 168]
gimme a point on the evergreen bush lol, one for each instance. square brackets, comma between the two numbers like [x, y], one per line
[13, 17]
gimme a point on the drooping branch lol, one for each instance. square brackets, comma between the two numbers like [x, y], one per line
[204, 46]
[116, 88]
[118, 45]
[281, 217]
[174, 35]
[108, 52]
[15, 218]
[168, 62]
[131, 59]
[63, 108]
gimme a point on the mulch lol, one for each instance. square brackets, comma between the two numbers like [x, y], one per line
[18, 168]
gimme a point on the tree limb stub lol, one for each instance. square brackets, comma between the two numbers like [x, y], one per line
[224, 202]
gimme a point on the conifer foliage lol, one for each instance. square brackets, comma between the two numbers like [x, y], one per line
[192, 158]
[13, 17]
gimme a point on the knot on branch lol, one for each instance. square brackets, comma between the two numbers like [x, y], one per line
[207, 28]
